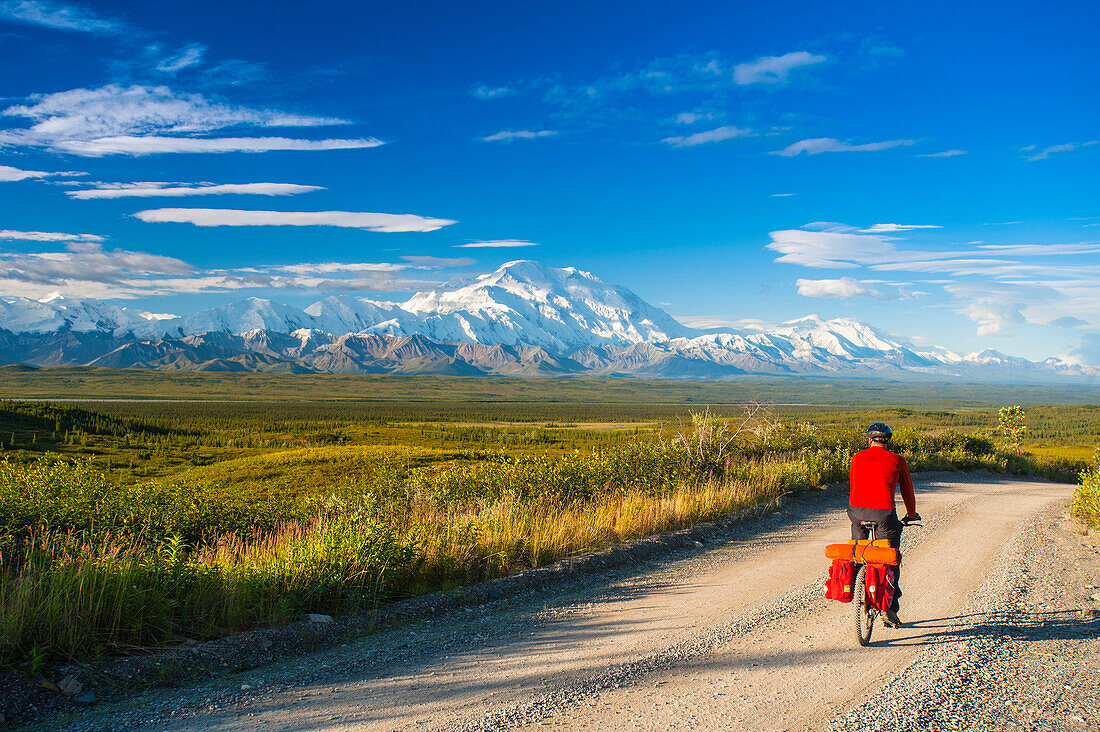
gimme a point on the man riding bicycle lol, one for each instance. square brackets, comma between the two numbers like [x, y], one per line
[875, 473]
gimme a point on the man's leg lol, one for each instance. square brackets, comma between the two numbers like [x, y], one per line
[892, 533]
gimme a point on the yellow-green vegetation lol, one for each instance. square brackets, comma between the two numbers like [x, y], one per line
[1086, 500]
[135, 525]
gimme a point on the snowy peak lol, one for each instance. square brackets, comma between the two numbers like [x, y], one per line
[59, 313]
[525, 302]
[524, 317]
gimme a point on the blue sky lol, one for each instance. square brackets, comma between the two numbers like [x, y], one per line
[927, 168]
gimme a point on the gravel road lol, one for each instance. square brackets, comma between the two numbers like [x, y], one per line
[1001, 633]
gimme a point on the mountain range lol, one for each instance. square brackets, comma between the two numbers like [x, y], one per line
[525, 318]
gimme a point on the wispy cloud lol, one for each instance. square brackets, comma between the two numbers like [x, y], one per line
[1046, 152]
[152, 145]
[9, 174]
[715, 135]
[380, 222]
[773, 69]
[887, 228]
[424, 261]
[656, 90]
[141, 120]
[783, 195]
[509, 135]
[191, 55]
[819, 145]
[59, 16]
[845, 287]
[483, 91]
[155, 190]
[497, 244]
[690, 118]
[10, 235]
[944, 154]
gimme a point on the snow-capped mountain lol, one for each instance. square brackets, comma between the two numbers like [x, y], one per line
[523, 318]
[58, 313]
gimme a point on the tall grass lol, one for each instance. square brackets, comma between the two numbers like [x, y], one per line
[89, 567]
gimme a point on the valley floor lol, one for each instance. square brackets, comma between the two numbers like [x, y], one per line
[1001, 633]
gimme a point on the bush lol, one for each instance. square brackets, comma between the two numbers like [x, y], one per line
[1086, 500]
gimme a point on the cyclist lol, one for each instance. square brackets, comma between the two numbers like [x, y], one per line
[875, 473]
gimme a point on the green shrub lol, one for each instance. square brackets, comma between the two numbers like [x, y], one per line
[1086, 500]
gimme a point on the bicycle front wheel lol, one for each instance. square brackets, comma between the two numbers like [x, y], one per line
[865, 616]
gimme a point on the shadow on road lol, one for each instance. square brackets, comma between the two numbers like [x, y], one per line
[1043, 626]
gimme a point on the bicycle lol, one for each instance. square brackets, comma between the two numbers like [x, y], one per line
[866, 613]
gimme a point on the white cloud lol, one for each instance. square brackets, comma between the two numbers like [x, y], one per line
[1042, 250]
[154, 190]
[887, 228]
[700, 138]
[381, 222]
[331, 267]
[819, 145]
[59, 16]
[830, 249]
[783, 195]
[944, 154]
[87, 270]
[997, 286]
[773, 69]
[8, 174]
[86, 261]
[844, 287]
[1046, 152]
[191, 55]
[483, 91]
[995, 307]
[157, 145]
[10, 235]
[141, 120]
[1089, 349]
[497, 244]
[509, 135]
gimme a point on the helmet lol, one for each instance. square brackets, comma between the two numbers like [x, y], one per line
[879, 431]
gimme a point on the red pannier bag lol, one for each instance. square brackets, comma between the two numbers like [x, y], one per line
[881, 586]
[841, 577]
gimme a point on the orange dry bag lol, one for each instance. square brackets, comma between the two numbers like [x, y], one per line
[863, 553]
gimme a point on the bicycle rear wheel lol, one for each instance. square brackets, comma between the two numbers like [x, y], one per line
[865, 616]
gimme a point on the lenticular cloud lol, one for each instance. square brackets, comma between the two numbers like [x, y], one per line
[381, 222]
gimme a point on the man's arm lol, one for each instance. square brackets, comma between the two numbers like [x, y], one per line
[906, 483]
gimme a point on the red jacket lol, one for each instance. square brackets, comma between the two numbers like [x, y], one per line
[875, 473]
